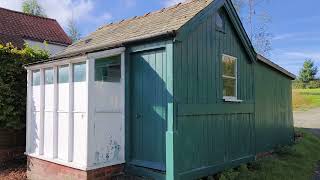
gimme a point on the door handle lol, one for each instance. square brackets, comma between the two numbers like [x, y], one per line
[138, 116]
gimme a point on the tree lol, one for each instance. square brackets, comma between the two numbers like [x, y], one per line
[33, 7]
[256, 24]
[308, 71]
[73, 31]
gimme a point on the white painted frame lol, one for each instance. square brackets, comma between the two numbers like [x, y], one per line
[89, 59]
[42, 67]
[231, 98]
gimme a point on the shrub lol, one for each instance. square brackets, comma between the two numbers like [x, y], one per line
[298, 85]
[313, 84]
[13, 83]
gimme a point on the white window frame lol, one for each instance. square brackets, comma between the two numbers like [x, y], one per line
[231, 98]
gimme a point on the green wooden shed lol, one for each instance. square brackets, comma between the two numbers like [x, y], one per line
[174, 94]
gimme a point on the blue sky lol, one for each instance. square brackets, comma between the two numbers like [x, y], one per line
[295, 25]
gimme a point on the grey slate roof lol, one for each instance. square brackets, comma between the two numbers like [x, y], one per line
[149, 25]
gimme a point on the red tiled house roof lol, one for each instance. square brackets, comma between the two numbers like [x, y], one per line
[15, 25]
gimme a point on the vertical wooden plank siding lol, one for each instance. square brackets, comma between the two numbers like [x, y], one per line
[207, 141]
[274, 122]
[151, 104]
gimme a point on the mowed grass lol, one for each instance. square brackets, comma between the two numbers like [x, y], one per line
[296, 162]
[304, 99]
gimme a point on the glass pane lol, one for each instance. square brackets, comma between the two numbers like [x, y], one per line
[48, 75]
[63, 74]
[229, 87]
[36, 78]
[108, 69]
[79, 72]
[229, 66]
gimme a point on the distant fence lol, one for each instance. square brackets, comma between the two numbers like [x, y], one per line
[12, 138]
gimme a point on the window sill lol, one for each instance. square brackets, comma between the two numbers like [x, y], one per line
[232, 100]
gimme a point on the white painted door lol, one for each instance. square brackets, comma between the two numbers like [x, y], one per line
[108, 111]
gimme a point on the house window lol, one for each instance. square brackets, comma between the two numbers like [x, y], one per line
[220, 24]
[79, 72]
[63, 74]
[229, 77]
[36, 78]
[108, 69]
[48, 74]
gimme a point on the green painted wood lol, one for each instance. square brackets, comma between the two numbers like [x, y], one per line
[209, 131]
[170, 133]
[274, 122]
[145, 173]
[214, 109]
[149, 99]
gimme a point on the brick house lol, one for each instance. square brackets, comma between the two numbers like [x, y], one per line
[20, 28]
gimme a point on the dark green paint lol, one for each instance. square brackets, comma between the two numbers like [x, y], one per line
[273, 115]
[201, 134]
[149, 98]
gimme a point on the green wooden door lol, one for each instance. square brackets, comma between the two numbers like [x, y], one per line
[149, 99]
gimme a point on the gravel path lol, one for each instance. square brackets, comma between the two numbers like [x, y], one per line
[309, 120]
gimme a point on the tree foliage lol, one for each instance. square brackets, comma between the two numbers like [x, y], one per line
[33, 7]
[308, 71]
[13, 82]
[73, 31]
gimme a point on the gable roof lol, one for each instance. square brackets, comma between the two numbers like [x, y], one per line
[25, 26]
[275, 66]
[16, 41]
[159, 23]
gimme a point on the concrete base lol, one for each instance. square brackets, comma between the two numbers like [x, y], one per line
[43, 170]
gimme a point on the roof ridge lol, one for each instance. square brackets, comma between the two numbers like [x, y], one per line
[26, 14]
[162, 10]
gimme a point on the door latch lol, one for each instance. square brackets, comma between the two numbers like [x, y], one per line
[138, 116]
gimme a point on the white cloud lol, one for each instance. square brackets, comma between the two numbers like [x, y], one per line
[298, 36]
[293, 60]
[12, 4]
[283, 36]
[168, 3]
[129, 3]
[80, 10]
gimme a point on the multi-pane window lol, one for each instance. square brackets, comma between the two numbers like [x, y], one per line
[108, 69]
[79, 72]
[229, 77]
[63, 74]
[36, 78]
[48, 75]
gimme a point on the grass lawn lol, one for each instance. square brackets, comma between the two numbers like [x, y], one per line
[304, 99]
[297, 162]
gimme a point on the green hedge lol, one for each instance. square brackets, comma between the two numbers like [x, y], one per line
[302, 85]
[13, 82]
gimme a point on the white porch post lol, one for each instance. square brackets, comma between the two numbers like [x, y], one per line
[28, 122]
[123, 91]
[42, 101]
[71, 120]
[90, 111]
[55, 112]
